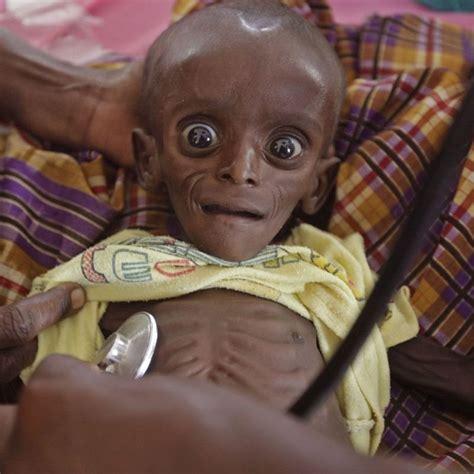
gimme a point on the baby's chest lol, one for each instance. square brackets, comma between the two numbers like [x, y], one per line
[231, 339]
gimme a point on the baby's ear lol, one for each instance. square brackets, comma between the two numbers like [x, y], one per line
[324, 180]
[147, 164]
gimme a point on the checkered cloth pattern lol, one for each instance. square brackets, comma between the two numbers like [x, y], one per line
[406, 76]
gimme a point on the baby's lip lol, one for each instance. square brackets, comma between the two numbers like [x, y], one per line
[236, 209]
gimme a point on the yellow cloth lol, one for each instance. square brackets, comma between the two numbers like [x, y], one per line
[321, 277]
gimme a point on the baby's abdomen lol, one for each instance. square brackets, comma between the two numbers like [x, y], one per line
[231, 339]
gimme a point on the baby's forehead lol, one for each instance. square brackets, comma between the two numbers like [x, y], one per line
[243, 28]
[277, 55]
[271, 44]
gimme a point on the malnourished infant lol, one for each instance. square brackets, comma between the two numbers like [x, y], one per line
[240, 102]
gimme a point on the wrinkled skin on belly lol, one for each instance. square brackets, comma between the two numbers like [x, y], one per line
[235, 340]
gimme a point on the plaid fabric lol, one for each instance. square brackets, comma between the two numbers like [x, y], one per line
[53, 207]
[406, 77]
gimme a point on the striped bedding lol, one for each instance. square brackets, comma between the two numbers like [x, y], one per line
[406, 76]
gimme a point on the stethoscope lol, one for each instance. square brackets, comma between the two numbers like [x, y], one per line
[129, 351]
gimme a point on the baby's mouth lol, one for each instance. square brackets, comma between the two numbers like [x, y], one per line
[216, 210]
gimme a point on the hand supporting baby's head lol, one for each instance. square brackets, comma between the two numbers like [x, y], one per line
[241, 101]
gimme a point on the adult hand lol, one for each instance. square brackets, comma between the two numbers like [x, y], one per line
[422, 363]
[161, 424]
[116, 114]
[78, 107]
[21, 322]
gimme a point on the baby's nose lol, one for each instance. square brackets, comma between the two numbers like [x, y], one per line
[241, 168]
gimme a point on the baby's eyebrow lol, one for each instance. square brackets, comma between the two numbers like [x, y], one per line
[301, 119]
[204, 106]
[217, 107]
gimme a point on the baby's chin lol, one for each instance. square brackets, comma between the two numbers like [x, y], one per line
[230, 251]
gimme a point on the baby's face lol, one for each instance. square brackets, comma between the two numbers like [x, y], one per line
[240, 134]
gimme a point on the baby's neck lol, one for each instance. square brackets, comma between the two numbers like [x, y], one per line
[176, 231]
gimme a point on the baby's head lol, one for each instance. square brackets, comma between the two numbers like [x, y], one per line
[241, 101]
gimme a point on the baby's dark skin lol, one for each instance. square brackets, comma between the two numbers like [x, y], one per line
[238, 341]
[239, 122]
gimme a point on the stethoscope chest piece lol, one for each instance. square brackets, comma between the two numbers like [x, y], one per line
[129, 350]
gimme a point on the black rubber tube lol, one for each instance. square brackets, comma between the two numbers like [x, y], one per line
[444, 174]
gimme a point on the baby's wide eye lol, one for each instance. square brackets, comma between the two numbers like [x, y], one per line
[199, 135]
[286, 148]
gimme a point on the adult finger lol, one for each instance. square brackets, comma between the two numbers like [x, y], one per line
[15, 359]
[58, 366]
[21, 322]
[7, 419]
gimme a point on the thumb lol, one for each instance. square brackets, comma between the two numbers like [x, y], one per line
[58, 366]
[55, 304]
[22, 321]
